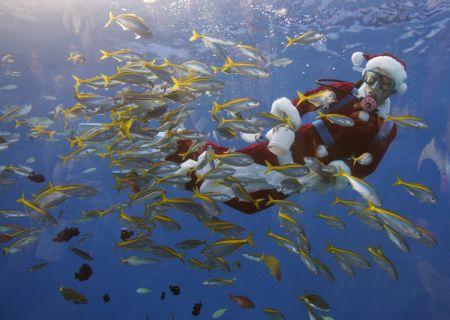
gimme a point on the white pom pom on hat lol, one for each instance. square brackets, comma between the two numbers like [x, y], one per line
[395, 67]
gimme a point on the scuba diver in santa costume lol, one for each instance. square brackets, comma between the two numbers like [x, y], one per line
[334, 144]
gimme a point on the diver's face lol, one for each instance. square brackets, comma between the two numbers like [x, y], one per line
[379, 84]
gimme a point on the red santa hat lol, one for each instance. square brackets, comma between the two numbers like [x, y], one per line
[395, 67]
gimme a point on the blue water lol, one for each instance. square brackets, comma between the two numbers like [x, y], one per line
[41, 34]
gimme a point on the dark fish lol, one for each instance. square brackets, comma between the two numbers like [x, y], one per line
[163, 295]
[106, 298]
[175, 290]
[66, 235]
[126, 234]
[2, 140]
[242, 301]
[37, 267]
[82, 254]
[196, 309]
[72, 295]
[84, 273]
[38, 178]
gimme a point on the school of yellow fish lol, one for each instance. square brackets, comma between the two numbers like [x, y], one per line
[147, 117]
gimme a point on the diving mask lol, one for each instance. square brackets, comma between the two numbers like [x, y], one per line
[376, 80]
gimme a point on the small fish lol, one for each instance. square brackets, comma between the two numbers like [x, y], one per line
[137, 261]
[421, 192]
[126, 234]
[364, 159]
[308, 261]
[333, 221]
[324, 270]
[383, 262]
[238, 105]
[252, 53]
[408, 121]
[175, 290]
[242, 301]
[395, 221]
[292, 170]
[121, 55]
[362, 187]
[273, 265]
[76, 58]
[315, 302]
[82, 254]
[218, 282]
[130, 21]
[307, 37]
[190, 244]
[84, 273]
[337, 119]
[196, 309]
[396, 238]
[215, 39]
[37, 267]
[163, 295]
[66, 234]
[9, 87]
[167, 222]
[89, 170]
[143, 290]
[274, 314]
[348, 257]
[73, 296]
[219, 313]
[319, 99]
[30, 160]
[427, 238]
[106, 298]
[282, 62]
[224, 247]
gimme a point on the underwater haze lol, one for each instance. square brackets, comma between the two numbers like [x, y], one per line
[103, 103]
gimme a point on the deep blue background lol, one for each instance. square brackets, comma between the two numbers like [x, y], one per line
[41, 34]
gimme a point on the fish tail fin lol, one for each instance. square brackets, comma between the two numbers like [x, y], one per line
[221, 122]
[105, 54]
[64, 159]
[103, 155]
[77, 81]
[176, 83]
[256, 202]
[106, 79]
[118, 182]
[182, 255]
[249, 240]
[195, 36]
[215, 69]
[5, 251]
[270, 201]
[111, 19]
[70, 58]
[215, 109]
[269, 166]
[269, 232]
[18, 123]
[229, 61]
[398, 181]
[75, 141]
[336, 201]
[290, 40]
[355, 160]
[329, 247]
[301, 98]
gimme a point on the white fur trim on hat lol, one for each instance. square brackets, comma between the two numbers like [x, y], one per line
[363, 116]
[358, 58]
[283, 107]
[321, 151]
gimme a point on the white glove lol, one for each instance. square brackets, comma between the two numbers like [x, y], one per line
[283, 108]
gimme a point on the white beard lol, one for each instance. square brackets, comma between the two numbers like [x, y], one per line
[383, 109]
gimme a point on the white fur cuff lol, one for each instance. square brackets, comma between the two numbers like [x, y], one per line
[283, 107]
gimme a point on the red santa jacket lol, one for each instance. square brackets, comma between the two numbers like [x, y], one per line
[371, 135]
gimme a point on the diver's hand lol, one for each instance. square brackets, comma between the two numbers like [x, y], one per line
[329, 171]
[284, 108]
